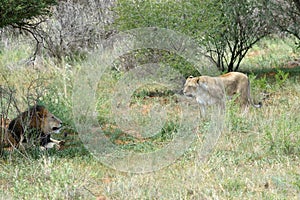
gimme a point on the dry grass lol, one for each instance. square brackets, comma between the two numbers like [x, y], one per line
[256, 157]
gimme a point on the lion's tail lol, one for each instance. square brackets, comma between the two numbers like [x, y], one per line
[259, 104]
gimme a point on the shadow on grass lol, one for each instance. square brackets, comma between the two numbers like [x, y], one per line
[270, 73]
[73, 147]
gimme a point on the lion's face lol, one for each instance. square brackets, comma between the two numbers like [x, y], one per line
[190, 87]
[49, 122]
[194, 85]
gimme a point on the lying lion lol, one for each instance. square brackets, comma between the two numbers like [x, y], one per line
[213, 90]
[34, 125]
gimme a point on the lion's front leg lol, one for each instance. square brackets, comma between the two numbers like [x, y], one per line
[59, 142]
[202, 110]
[203, 105]
[50, 145]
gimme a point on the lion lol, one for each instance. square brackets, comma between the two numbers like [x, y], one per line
[34, 125]
[213, 90]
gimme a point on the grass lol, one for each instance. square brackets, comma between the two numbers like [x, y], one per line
[256, 157]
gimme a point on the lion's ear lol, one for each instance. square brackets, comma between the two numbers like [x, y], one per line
[191, 77]
[200, 81]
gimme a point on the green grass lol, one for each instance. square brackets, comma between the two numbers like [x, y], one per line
[256, 157]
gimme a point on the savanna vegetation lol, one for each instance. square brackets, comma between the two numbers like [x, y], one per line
[45, 55]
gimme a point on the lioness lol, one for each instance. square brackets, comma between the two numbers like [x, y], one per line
[212, 90]
[35, 125]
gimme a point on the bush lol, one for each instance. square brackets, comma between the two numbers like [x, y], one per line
[23, 12]
[227, 29]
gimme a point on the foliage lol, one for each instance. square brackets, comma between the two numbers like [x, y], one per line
[235, 28]
[22, 12]
[144, 56]
[24, 16]
[72, 29]
[281, 77]
[286, 16]
[226, 29]
[75, 28]
[257, 155]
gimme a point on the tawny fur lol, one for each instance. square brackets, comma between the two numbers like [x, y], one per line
[36, 124]
[213, 90]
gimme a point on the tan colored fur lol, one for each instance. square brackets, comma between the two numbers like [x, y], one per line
[35, 124]
[212, 90]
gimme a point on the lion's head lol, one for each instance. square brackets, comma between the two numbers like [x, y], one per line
[193, 86]
[206, 90]
[49, 122]
[38, 118]
[203, 87]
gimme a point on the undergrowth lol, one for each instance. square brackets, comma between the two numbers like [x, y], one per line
[256, 156]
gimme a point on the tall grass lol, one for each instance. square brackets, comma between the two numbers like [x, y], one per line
[256, 157]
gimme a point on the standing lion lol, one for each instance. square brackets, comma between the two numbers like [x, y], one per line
[213, 90]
